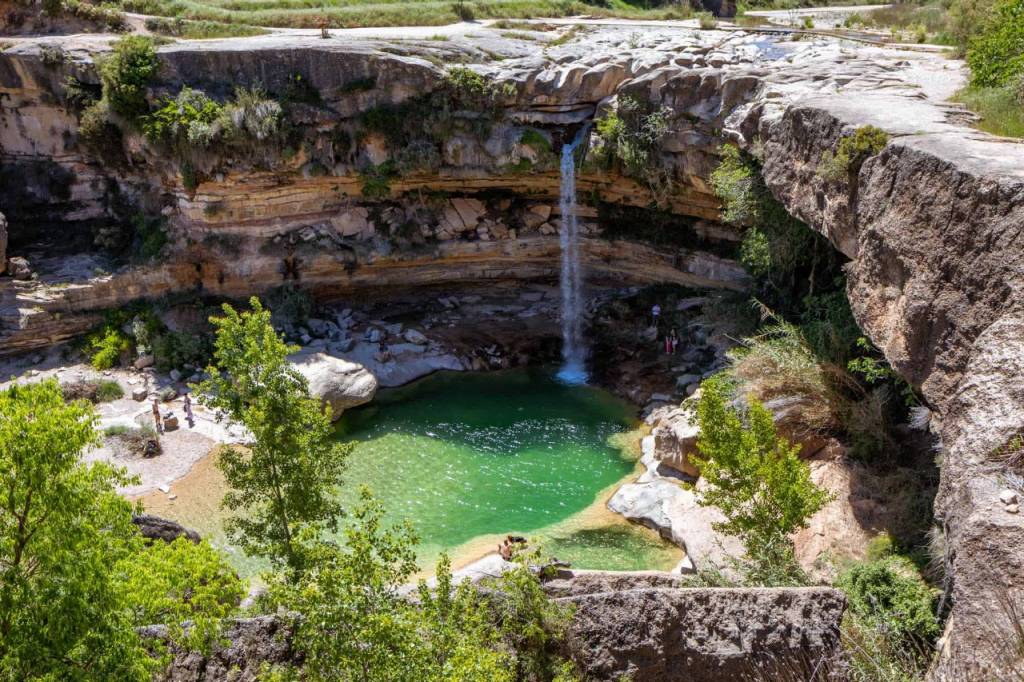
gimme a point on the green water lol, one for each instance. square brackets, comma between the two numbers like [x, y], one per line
[469, 458]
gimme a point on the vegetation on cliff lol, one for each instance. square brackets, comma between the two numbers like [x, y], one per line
[757, 480]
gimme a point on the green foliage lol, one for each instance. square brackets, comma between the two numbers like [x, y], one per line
[173, 350]
[1001, 108]
[536, 140]
[631, 134]
[377, 180]
[182, 121]
[108, 390]
[996, 54]
[99, 135]
[889, 596]
[52, 56]
[706, 20]
[756, 479]
[852, 152]
[199, 30]
[785, 256]
[127, 73]
[107, 347]
[356, 624]
[180, 582]
[63, 530]
[286, 482]
[79, 95]
[289, 305]
[252, 115]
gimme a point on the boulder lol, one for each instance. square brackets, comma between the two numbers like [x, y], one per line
[662, 634]
[415, 336]
[139, 394]
[339, 383]
[18, 268]
[144, 361]
[675, 438]
[156, 528]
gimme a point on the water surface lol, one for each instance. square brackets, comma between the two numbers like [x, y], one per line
[469, 458]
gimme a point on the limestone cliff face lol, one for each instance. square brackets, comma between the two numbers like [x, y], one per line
[933, 226]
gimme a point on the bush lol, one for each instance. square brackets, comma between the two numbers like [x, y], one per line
[252, 115]
[173, 350]
[150, 236]
[183, 121]
[706, 20]
[377, 180]
[79, 95]
[93, 391]
[288, 305]
[890, 596]
[852, 152]
[108, 390]
[756, 479]
[127, 73]
[99, 135]
[108, 347]
[631, 134]
[996, 55]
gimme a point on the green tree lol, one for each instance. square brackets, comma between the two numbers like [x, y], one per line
[890, 596]
[127, 73]
[996, 53]
[354, 623]
[63, 530]
[287, 478]
[172, 583]
[758, 481]
[76, 579]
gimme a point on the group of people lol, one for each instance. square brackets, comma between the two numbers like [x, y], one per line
[671, 340]
[158, 418]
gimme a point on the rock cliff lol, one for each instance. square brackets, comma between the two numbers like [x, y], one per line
[933, 226]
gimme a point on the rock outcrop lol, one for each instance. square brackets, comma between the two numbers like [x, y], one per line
[932, 225]
[156, 528]
[642, 625]
[337, 382]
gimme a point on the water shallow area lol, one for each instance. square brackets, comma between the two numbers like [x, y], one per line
[470, 457]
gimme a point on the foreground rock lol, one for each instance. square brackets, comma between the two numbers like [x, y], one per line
[156, 528]
[339, 383]
[641, 625]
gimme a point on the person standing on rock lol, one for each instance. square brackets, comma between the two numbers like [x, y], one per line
[156, 417]
[188, 411]
[655, 314]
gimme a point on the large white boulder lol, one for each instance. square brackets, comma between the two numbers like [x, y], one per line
[339, 383]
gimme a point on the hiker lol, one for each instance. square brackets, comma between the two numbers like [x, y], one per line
[668, 344]
[156, 417]
[655, 314]
[674, 342]
[188, 411]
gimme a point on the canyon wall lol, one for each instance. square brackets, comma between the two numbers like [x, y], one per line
[933, 226]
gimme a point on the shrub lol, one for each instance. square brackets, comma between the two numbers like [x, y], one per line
[99, 135]
[107, 347]
[93, 391]
[463, 10]
[127, 73]
[631, 134]
[289, 305]
[852, 152]
[889, 596]
[52, 55]
[140, 441]
[706, 20]
[79, 95]
[996, 55]
[183, 121]
[252, 114]
[173, 350]
[108, 390]
[377, 180]
[756, 479]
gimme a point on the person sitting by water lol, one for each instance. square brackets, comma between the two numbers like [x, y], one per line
[188, 411]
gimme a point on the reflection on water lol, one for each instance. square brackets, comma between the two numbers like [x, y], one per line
[471, 457]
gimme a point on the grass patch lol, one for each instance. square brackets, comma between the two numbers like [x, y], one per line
[1000, 112]
[200, 30]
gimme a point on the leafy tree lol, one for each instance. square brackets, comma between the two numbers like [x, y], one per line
[63, 530]
[996, 53]
[287, 478]
[758, 481]
[179, 581]
[127, 73]
[355, 624]
[76, 580]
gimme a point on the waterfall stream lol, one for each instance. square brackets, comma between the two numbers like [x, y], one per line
[574, 352]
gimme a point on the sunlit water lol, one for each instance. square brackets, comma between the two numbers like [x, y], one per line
[471, 457]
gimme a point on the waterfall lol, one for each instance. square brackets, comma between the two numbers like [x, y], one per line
[574, 353]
